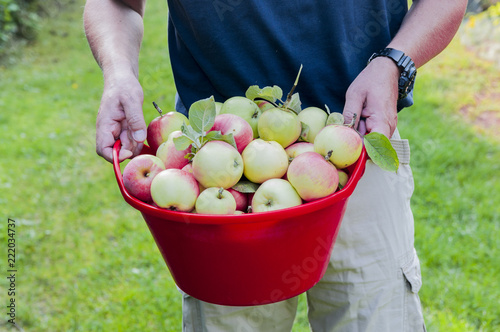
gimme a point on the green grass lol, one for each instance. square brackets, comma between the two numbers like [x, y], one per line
[456, 200]
[86, 260]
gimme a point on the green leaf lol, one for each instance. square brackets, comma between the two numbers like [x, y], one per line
[182, 142]
[294, 103]
[190, 135]
[202, 115]
[270, 93]
[381, 152]
[217, 136]
[335, 118]
[246, 187]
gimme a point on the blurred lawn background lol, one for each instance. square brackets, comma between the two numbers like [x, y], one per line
[86, 260]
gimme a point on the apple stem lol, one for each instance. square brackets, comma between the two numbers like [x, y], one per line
[353, 121]
[158, 108]
[327, 109]
[328, 155]
[219, 194]
[289, 96]
[264, 99]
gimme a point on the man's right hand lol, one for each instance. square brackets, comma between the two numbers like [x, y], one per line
[120, 116]
[114, 30]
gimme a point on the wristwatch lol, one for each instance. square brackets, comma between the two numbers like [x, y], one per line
[406, 68]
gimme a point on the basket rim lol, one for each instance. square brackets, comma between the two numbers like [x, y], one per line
[357, 171]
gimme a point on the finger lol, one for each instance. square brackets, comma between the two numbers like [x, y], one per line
[132, 106]
[362, 127]
[129, 145]
[377, 125]
[107, 131]
[105, 149]
[354, 104]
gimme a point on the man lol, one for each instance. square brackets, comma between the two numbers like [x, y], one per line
[220, 48]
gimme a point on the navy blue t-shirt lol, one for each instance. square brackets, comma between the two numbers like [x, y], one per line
[222, 47]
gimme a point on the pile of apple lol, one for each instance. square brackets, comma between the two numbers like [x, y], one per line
[248, 154]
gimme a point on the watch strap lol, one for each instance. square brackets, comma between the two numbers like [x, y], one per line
[406, 68]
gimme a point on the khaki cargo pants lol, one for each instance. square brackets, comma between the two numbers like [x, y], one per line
[373, 278]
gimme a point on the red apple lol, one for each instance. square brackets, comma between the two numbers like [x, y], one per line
[240, 198]
[172, 157]
[264, 105]
[236, 125]
[160, 127]
[139, 173]
[189, 168]
[312, 176]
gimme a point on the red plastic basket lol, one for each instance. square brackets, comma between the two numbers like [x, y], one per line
[248, 259]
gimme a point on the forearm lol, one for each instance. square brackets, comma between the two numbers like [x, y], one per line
[114, 31]
[428, 28]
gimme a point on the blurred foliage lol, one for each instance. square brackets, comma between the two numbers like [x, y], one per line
[20, 20]
[477, 6]
[481, 33]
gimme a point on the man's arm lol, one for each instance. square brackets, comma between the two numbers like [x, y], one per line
[114, 30]
[427, 29]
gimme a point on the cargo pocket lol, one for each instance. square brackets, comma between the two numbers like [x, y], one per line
[413, 317]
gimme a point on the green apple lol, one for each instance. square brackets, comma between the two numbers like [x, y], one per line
[215, 200]
[298, 148]
[341, 144]
[264, 160]
[245, 108]
[343, 178]
[280, 125]
[175, 189]
[312, 176]
[217, 164]
[315, 119]
[275, 194]
[218, 106]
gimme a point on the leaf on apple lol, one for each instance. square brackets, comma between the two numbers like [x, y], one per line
[246, 187]
[381, 152]
[202, 114]
[335, 118]
[294, 103]
[217, 136]
[182, 142]
[269, 93]
[188, 135]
